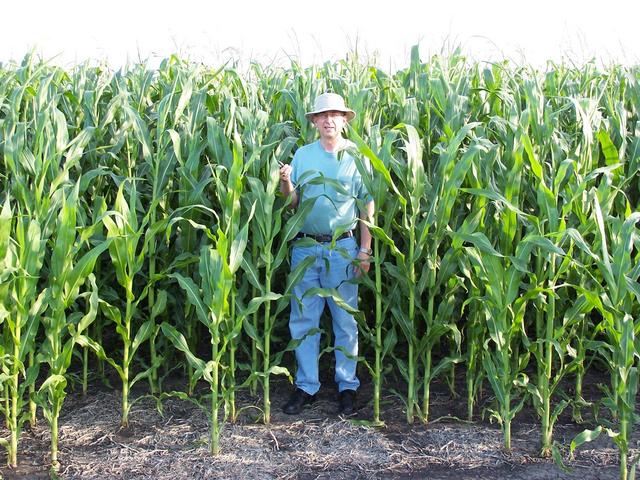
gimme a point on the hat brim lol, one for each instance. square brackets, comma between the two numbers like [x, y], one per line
[350, 113]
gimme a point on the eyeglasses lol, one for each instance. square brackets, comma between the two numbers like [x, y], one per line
[330, 114]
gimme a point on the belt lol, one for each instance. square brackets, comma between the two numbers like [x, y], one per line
[324, 238]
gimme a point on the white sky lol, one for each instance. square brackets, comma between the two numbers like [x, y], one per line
[119, 31]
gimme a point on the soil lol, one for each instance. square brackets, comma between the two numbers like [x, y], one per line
[318, 444]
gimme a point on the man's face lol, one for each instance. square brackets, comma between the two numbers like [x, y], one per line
[330, 123]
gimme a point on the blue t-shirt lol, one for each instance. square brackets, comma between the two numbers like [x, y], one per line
[334, 181]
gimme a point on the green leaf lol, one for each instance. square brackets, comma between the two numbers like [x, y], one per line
[53, 382]
[90, 316]
[255, 303]
[33, 323]
[87, 342]
[5, 228]
[480, 240]
[160, 304]
[277, 370]
[605, 264]
[251, 272]
[143, 333]
[251, 331]
[193, 293]
[494, 379]
[557, 457]
[141, 131]
[543, 243]
[239, 244]
[574, 235]
[294, 224]
[333, 294]
[585, 436]
[298, 273]
[536, 166]
[389, 342]
[75, 149]
[376, 162]
[496, 197]
[178, 341]
[111, 312]
[381, 235]
[608, 148]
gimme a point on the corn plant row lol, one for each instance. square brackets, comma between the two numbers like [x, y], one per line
[140, 221]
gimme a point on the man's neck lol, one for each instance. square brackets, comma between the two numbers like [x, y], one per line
[331, 144]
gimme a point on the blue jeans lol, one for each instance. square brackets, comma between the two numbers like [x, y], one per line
[330, 270]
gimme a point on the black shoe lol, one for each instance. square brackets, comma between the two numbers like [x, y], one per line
[347, 402]
[299, 398]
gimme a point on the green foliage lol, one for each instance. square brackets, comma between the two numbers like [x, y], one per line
[505, 232]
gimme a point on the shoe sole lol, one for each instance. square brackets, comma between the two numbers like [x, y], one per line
[349, 413]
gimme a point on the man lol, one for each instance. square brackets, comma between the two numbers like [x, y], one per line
[335, 210]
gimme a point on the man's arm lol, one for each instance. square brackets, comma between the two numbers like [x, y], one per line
[286, 187]
[365, 239]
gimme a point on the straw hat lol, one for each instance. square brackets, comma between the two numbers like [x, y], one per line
[330, 101]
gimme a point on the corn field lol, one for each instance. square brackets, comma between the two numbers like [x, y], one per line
[142, 234]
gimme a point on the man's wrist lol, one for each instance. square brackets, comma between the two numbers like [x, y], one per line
[368, 251]
[286, 187]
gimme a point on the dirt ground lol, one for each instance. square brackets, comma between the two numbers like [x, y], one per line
[318, 444]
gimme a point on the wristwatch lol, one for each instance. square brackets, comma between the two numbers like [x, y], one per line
[368, 251]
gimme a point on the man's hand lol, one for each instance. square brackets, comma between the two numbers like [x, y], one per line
[363, 263]
[286, 187]
[285, 173]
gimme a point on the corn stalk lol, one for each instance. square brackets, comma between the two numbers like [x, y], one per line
[21, 259]
[69, 270]
[211, 300]
[125, 233]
